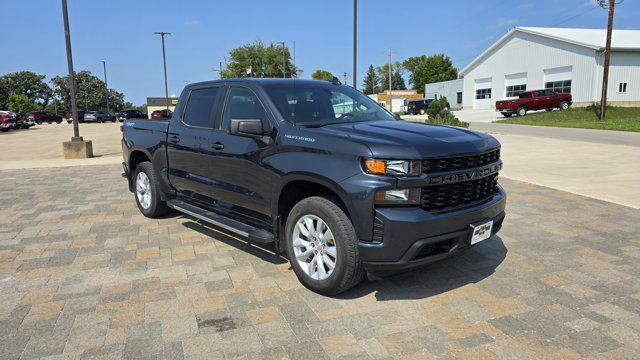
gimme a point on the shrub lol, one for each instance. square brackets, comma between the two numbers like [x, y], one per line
[440, 114]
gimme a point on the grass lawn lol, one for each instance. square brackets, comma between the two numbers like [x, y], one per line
[618, 118]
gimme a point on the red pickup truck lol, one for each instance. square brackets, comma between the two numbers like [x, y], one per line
[534, 100]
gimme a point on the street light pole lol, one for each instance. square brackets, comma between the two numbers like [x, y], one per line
[106, 87]
[607, 58]
[355, 41]
[164, 63]
[72, 82]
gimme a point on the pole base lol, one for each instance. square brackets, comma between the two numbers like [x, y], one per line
[77, 149]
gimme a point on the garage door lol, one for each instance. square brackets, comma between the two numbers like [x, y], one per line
[482, 96]
[558, 79]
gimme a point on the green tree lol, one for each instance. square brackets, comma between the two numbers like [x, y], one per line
[440, 114]
[397, 76]
[370, 83]
[27, 83]
[261, 60]
[322, 75]
[19, 103]
[90, 94]
[429, 69]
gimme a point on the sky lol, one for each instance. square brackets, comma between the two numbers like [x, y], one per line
[204, 31]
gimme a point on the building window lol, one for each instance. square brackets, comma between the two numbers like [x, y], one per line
[483, 94]
[563, 86]
[459, 98]
[622, 87]
[516, 90]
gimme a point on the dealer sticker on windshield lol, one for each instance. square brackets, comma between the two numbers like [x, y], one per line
[481, 232]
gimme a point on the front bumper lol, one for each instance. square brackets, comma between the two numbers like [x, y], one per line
[412, 237]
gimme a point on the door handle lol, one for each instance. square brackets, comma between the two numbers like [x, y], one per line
[217, 145]
[174, 139]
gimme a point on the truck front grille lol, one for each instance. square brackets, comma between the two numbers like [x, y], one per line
[460, 162]
[458, 195]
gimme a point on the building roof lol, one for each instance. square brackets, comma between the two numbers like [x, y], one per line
[591, 38]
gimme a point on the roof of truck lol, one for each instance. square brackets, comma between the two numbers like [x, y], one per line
[265, 81]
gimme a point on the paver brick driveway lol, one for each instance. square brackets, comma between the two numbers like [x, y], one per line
[84, 275]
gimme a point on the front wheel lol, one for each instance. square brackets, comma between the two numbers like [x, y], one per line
[322, 246]
[564, 105]
[147, 191]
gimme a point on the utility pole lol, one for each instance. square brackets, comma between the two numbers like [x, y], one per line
[355, 42]
[607, 56]
[106, 87]
[220, 72]
[72, 81]
[284, 66]
[345, 75]
[164, 62]
[389, 53]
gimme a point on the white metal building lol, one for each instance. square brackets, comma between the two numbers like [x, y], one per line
[451, 89]
[568, 60]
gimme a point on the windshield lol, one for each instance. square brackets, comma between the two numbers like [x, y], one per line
[319, 105]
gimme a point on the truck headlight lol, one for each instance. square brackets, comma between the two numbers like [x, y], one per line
[392, 167]
[398, 196]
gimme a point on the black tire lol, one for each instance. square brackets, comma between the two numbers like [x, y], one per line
[506, 114]
[521, 111]
[348, 271]
[564, 105]
[39, 122]
[58, 121]
[423, 111]
[157, 206]
[548, 109]
[49, 122]
[4, 130]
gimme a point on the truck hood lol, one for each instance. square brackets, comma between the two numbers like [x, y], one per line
[408, 140]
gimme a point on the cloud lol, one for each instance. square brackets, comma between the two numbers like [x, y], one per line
[507, 22]
[192, 23]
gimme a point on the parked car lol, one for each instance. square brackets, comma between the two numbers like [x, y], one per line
[80, 117]
[341, 190]
[98, 116]
[418, 106]
[534, 100]
[25, 121]
[40, 117]
[130, 114]
[161, 114]
[7, 120]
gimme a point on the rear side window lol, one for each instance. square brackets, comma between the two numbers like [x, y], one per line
[242, 104]
[199, 110]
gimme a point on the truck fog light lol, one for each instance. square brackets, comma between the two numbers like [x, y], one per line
[398, 196]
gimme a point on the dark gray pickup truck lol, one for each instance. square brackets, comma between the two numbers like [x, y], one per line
[332, 180]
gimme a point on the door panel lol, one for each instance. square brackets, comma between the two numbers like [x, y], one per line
[241, 178]
[189, 144]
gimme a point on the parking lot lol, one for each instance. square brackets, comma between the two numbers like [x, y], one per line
[84, 275]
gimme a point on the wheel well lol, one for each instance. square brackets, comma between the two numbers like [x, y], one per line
[136, 158]
[297, 190]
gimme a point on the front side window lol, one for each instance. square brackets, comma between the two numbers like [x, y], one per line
[242, 104]
[516, 90]
[563, 86]
[539, 93]
[319, 105]
[483, 94]
[199, 110]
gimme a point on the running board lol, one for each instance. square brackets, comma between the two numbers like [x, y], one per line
[252, 234]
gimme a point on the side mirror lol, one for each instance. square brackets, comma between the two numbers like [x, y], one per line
[246, 127]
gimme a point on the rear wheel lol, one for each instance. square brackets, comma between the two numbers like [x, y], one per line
[147, 191]
[522, 111]
[422, 111]
[322, 246]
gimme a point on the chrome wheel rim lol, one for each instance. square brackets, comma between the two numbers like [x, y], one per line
[565, 106]
[143, 190]
[314, 247]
